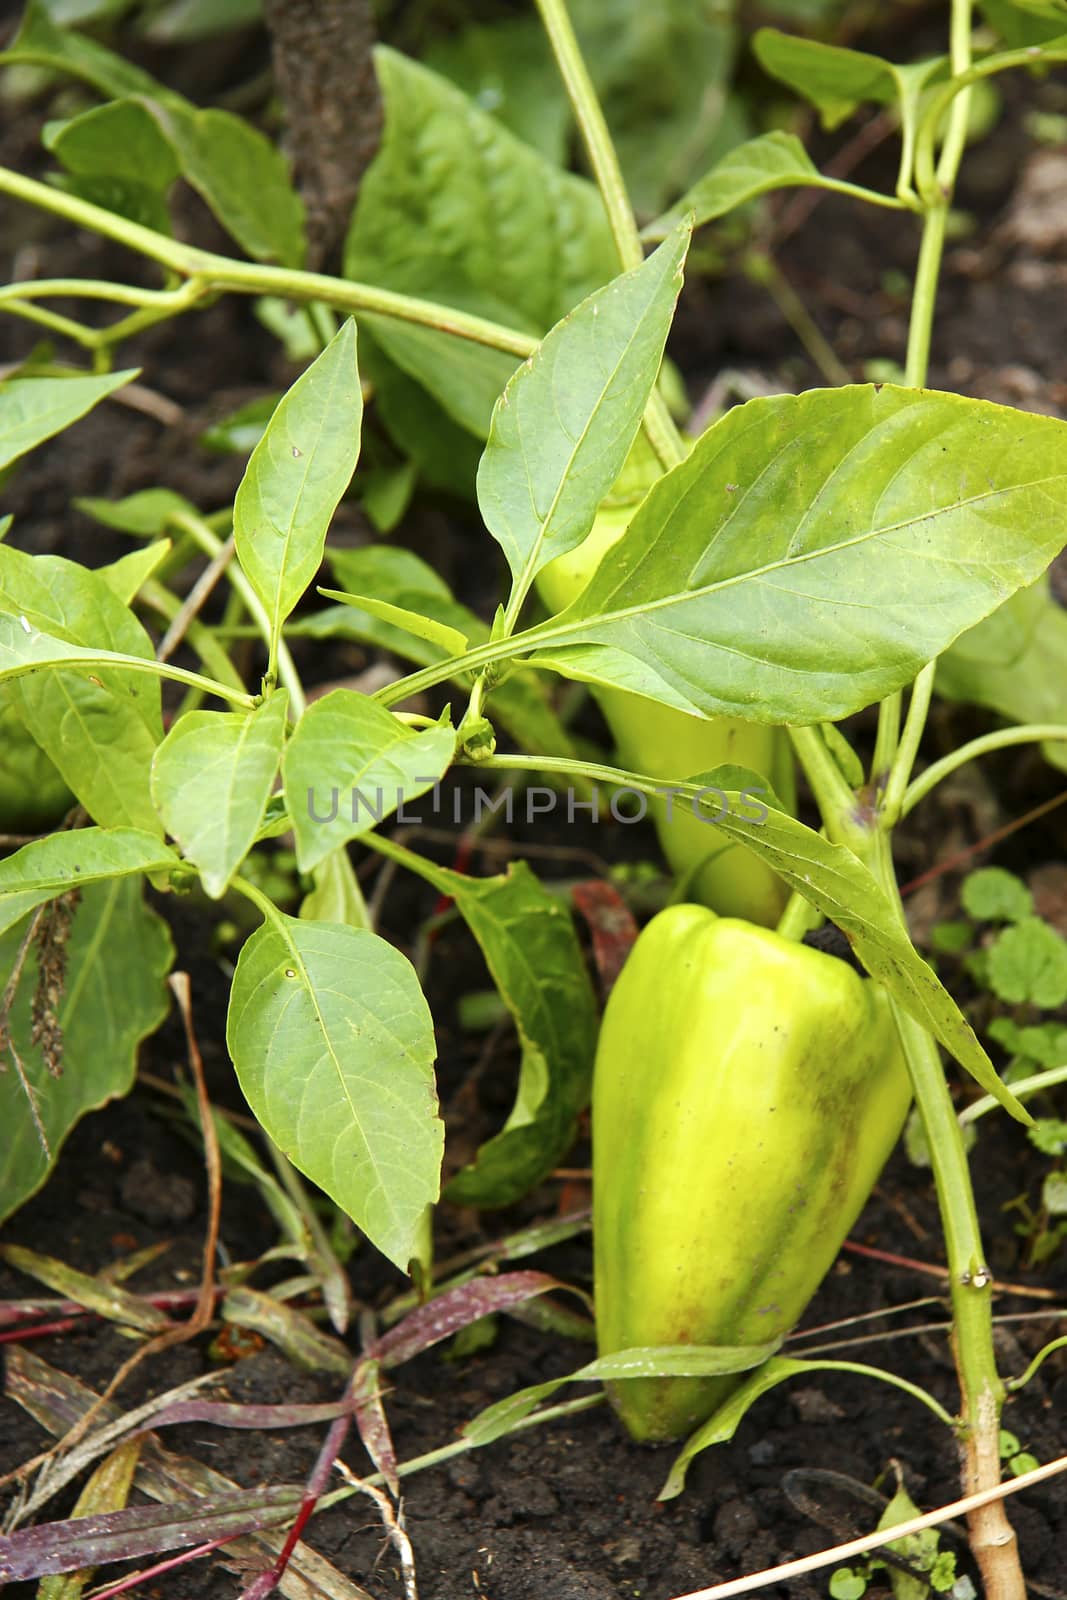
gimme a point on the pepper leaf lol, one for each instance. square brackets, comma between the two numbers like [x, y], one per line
[562, 429]
[33, 409]
[296, 476]
[118, 954]
[333, 1045]
[367, 761]
[531, 949]
[211, 780]
[72, 859]
[100, 728]
[815, 551]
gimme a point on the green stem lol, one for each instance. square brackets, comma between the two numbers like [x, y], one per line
[594, 129]
[1022, 1091]
[211, 544]
[603, 158]
[907, 750]
[199, 636]
[836, 801]
[1001, 739]
[107, 660]
[924, 294]
[214, 272]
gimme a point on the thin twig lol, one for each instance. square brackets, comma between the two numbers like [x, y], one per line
[873, 1541]
[393, 1519]
[195, 601]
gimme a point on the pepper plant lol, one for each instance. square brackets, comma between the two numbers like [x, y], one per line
[806, 557]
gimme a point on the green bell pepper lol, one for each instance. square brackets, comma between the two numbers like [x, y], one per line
[746, 1095]
[661, 742]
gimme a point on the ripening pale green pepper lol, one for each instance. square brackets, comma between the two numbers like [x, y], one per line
[663, 743]
[747, 1093]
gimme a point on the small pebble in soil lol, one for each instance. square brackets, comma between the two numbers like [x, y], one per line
[811, 1406]
[158, 1198]
[735, 1526]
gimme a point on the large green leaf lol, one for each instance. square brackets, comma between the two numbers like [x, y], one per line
[1015, 663]
[455, 208]
[815, 551]
[563, 427]
[33, 409]
[349, 764]
[118, 956]
[100, 728]
[296, 476]
[455, 200]
[211, 779]
[72, 859]
[531, 949]
[663, 74]
[464, 378]
[507, 67]
[333, 1045]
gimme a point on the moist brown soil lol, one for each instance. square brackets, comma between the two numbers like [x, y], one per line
[569, 1511]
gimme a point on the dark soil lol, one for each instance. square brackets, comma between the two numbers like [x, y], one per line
[569, 1511]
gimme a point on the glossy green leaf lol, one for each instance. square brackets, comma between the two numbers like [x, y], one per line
[118, 140]
[563, 427]
[815, 551]
[1014, 663]
[510, 233]
[531, 949]
[662, 1361]
[834, 79]
[240, 175]
[333, 1045]
[507, 67]
[507, 236]
[447, 639]
[118, 956]
[211, 780]
[773, 161]
[349, 764]
[99, 727]
[72, 859]
[296, 476]
[34, 409]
